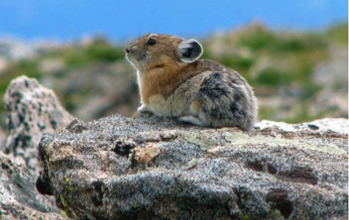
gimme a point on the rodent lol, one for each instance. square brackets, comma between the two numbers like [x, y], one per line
[174, 82]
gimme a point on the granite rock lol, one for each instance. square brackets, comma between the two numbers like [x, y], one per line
[97, 170]
[32, 111]
[19, 198]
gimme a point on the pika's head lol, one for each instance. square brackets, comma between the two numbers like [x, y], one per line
[156, 51]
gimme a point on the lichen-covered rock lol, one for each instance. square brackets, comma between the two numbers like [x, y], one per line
[19, 198]
[33, 110]
[97, 170]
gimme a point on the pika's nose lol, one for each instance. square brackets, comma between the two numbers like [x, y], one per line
[131, 48]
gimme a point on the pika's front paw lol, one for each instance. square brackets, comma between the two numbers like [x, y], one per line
[142, 109]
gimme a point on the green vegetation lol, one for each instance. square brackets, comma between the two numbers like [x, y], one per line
[99, 50]
[338, 34]
[273, 77]
[284, 56]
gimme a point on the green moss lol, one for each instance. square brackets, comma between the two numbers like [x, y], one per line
[64, 213]
[70, 188]
[63, 202]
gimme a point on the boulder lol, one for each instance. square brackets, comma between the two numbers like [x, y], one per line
[19, 198]
[32, 111]
[157, 168]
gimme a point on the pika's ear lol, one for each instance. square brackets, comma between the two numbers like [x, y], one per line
[190, 50]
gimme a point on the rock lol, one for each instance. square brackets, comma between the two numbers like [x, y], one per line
[33, 110]
[156, 168]
[327, 125]
[19, 198]
[2, 138]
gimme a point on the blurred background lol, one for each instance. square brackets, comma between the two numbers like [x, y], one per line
[294, 53]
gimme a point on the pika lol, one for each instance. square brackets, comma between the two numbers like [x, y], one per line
[174, 82]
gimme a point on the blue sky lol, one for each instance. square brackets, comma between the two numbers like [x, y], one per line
[125, 19]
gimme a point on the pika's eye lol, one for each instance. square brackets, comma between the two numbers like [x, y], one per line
[151, 41]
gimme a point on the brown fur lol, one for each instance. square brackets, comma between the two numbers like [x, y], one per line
[165, 80]
[165, 71]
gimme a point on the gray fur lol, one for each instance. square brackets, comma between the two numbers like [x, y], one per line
[226, 98]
